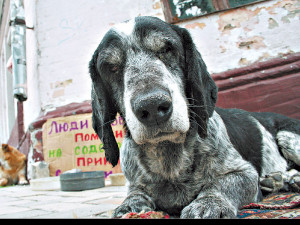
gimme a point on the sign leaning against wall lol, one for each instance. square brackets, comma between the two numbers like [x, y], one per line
[71, 143]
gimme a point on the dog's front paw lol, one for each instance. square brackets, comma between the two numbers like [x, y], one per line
[295, 182]
[273, 182]
[132, 204]
[209, 207]
[125, 208]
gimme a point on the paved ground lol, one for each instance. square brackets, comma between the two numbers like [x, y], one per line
[23, 202]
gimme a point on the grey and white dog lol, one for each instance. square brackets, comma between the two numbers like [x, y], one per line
[182, 155]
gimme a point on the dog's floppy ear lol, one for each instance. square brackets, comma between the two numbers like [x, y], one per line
[103, 113]
[201, 89]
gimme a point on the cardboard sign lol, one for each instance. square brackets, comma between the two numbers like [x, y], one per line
[71, 143]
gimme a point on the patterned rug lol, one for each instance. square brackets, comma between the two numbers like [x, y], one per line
[275, 206]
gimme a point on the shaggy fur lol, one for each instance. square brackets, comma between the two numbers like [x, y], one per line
[181, 154]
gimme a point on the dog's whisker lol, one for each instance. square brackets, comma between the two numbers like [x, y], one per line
[108, 122]
[199, 118]
[199, 106]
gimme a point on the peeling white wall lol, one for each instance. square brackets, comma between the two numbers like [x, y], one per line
[240, 37]
[67, 33]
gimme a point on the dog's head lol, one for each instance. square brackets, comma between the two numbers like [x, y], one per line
[151, 73]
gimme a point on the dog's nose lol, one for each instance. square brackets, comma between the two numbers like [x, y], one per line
[153, 108]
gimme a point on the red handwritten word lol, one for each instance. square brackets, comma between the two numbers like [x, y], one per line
[85, 137]
[91, 137]
[81, 161]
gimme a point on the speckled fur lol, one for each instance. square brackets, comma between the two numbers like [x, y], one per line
[183, 179]
[203, 162]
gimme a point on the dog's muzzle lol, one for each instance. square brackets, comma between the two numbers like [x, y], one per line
[152, 108]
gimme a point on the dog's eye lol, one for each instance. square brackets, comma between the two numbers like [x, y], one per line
[114, 68]
[163, 53]
[166, 49]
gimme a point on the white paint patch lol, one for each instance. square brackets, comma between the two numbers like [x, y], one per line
[272, 161]
[194, 10]
[290, 145]
[125, 27]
